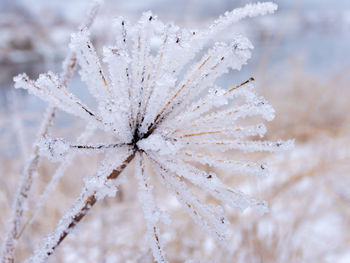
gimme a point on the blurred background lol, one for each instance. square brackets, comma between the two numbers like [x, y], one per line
[301, 64]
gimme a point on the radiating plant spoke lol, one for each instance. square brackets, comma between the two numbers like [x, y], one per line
[151, 212]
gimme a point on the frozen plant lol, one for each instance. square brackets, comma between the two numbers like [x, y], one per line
[162, 109]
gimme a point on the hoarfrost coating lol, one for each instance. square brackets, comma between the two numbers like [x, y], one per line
[156, 116]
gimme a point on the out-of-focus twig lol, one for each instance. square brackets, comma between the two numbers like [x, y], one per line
[15, 223]
[11, 237]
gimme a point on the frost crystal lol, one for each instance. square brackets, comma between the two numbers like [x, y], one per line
[154, 113]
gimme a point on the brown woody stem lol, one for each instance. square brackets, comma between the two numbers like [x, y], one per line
[83, 205]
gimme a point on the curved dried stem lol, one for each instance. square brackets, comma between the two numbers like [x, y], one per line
[13, 231]
[15, 224]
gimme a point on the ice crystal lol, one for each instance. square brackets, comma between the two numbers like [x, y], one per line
[156, 114]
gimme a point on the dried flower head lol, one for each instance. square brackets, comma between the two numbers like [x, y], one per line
[160, 106]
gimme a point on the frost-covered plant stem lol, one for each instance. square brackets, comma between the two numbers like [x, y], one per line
[50, 187]
[15, 227]
[81, 207]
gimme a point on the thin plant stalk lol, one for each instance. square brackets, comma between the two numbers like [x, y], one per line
[15, 223]
[19, 204]
[78, 211]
